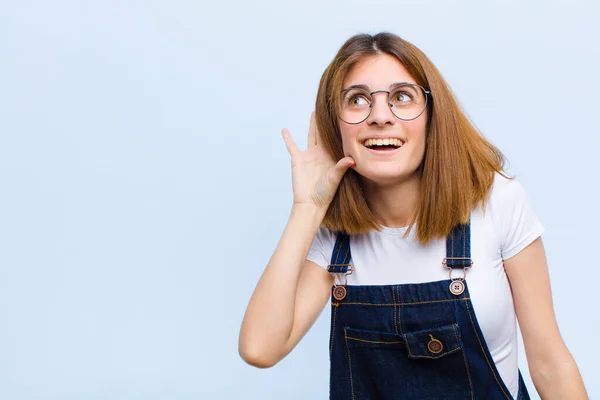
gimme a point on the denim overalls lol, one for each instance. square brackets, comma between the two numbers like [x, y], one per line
[410, 341]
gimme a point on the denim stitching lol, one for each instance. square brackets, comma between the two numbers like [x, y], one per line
[399, 311]
[484, 354]
[337, 252]
[400, 304]
[372, 341]
[466, 363]
[347, 251]
[335, 257]
[332, 331]
[395, 308]
[464, 254]
[349, 364]
[438, 356]
[407, 345]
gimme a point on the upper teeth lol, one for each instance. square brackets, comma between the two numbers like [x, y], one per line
[383, 142]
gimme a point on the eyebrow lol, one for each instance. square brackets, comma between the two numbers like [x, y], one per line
[365, 87]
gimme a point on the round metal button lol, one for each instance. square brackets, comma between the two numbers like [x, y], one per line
[339, 292]
[457, 287]
[435, 346]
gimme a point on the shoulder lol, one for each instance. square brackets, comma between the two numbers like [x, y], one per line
[506, 188]
[513, 216]
[506, 193]
[325, 236]
[322, 247]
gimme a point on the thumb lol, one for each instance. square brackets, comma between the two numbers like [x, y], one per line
[328, 184]
[338, 171]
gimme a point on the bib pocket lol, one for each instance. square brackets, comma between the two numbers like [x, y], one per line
[432, 343]
[423, 364]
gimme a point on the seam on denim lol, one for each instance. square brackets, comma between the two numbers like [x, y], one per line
[438, 356]
[407, 345]
[372, 341]
[402, 304]
[464, 254]
[484, 353]
[332, 331]
[400, 312]
[395, 309]
[466, 363]
[346, 255]
[337, 251]
[400, 309]
[349, 364]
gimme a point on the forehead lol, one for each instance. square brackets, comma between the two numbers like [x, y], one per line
[377, 72]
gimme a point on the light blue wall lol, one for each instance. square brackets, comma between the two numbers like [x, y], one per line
[144, 182]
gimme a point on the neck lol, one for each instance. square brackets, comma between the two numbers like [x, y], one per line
[394, 205]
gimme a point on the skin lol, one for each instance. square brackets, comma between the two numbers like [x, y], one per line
[271, 329]
[386, 178]
[551, 365]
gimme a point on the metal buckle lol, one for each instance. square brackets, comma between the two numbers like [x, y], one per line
[339, 291]
[349, 272]
[457, 258]
[457, 287]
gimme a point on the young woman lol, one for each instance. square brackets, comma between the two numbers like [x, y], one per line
[404, 218]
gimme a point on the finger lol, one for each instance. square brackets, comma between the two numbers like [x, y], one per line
[345, 163]
[312, 131]
[289, 143]
[338, 171]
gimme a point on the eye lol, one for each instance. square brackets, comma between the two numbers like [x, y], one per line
[405, 95]
[401, 97]
[358, 100]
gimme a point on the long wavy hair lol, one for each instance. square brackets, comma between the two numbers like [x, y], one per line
[458, 168]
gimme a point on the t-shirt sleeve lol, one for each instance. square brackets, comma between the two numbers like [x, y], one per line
[322, 247]
[519, 225]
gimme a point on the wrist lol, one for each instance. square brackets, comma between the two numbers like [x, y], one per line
[308, 212]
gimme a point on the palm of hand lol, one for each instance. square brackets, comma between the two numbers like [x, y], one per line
[315, 174]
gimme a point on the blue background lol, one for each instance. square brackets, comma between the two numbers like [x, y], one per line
[144, 182]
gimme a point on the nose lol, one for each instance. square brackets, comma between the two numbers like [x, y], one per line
[381, 114]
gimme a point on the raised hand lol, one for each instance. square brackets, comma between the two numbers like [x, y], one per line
[315, 175]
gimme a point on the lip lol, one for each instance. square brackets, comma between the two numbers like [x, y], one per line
[384, 153]
[383, 137]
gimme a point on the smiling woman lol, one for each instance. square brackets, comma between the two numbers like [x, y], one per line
[404, 218]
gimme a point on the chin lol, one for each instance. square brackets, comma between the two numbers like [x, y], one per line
[386, 176]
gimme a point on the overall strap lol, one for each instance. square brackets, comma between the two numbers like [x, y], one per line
[340, 258]
[458, 247]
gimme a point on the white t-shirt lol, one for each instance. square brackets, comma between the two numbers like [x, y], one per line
[506, 227]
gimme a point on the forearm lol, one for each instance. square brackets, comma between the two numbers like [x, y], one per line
[559, 380]
[269, 317]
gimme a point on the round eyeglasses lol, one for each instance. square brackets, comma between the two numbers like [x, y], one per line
[407, 101]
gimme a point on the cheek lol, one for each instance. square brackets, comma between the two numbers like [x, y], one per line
[417, 135]
[416, 126]
[349, 135]
[417, 131]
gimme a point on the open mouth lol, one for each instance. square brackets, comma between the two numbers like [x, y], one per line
[383, 144]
